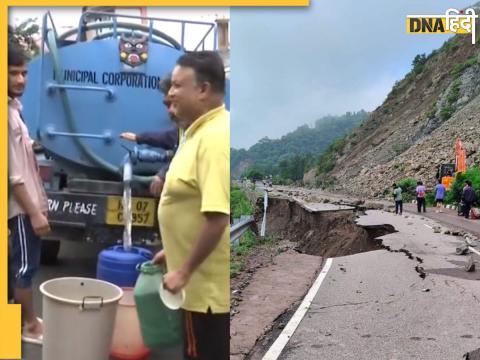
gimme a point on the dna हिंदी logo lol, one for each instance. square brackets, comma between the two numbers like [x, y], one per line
[453, 22]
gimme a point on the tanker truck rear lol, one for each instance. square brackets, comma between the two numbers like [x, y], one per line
[81, 95]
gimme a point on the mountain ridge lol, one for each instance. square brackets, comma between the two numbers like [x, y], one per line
[415, 129]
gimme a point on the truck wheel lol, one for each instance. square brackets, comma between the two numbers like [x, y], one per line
[49, 254]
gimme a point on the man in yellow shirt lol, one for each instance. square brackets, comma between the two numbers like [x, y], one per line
[195, 206]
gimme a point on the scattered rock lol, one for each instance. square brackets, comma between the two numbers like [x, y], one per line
[374, 206]
[462, 250]
[470, 265]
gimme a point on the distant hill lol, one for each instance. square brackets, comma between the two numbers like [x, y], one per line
[272, 156]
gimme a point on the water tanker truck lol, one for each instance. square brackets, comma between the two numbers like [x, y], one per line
[86, 87]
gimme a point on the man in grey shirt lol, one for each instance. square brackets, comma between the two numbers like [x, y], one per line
[397, 195]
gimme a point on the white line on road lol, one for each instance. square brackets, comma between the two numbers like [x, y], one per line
[277, 347]
[428, 226]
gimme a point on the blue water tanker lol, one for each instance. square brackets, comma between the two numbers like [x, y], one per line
[88, 86]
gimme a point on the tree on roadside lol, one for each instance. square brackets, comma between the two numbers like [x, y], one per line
[24, 35]
[254, 174]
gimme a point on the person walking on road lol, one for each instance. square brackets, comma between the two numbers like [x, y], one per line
[197, 186]
[468, 197]
[420, 192]
[439, 195]
[397, 196]
[27, 204]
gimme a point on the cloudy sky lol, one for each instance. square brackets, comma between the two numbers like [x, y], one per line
[293, 66]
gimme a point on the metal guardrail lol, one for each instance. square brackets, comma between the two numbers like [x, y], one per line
[264, 221]
[239, 228]
[241, 225]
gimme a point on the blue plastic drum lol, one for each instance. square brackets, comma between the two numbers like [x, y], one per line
[119, 267]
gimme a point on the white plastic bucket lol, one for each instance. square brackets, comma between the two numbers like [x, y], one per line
[78, 318]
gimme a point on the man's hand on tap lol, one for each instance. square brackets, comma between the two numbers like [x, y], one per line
[129, 136]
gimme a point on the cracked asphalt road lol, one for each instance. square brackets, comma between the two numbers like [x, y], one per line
[379, 307]
[448, 218]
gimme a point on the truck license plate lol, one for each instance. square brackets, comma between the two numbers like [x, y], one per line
[143, 211]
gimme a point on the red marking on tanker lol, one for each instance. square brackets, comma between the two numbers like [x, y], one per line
[134, 58]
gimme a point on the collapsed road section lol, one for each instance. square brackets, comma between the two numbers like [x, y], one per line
[407, 296]
[323, 229]
[277, 275]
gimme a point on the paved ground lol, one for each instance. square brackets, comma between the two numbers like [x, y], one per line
[449, 218]
[375, 305]
[322, 207]
[271, 290]
[75, 259]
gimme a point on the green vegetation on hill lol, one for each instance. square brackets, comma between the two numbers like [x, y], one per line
[239, 203]
[418, 63]
[408, 186]
[288, 158]
[326, 162]
[459, 68]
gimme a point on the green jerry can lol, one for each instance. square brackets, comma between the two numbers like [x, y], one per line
[161, 327]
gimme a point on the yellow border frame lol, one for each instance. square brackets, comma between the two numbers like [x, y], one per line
[10, 315]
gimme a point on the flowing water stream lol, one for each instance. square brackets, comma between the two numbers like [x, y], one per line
[127, 206]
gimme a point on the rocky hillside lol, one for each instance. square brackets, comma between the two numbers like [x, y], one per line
[415, 129]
